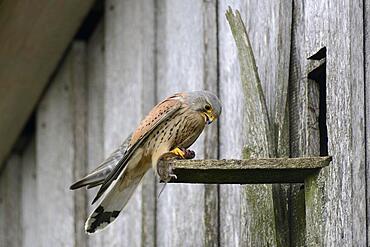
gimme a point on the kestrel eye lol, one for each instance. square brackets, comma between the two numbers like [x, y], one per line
[207, 107]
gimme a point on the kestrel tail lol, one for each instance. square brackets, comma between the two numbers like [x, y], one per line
[172, 126]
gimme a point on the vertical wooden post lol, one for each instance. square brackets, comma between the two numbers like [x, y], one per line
[346, 185]
[308, 37]
[30, 232]
[95, 113]
[129, 94]
[187, 60]
[315, 200]
[211, 142]
[10, 202]
[367, 107]
[59, 129]
[264, 207]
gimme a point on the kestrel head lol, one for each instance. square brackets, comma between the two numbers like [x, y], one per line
[206, 103]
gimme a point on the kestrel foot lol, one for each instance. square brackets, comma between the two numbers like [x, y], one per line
[184, 153]
[189, 154]
[164, 168]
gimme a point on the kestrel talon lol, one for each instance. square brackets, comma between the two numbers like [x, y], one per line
[172, 126]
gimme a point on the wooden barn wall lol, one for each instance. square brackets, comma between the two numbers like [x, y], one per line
[247, 212]
[346, 184]
[367, 108]
[186, 62]
[128, 96]
[142, 51]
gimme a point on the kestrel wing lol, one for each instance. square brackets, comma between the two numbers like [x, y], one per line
[98, 175]
[158, 115]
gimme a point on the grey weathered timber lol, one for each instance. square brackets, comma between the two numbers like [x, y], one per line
[367, 105]
[346, 185]
[231, 125]
[148, 95]
[60, 119]
[251, 171]
[129, 95]
[210, 82]
[10, 202]
[78, 101]
[269, 30]
[34, 36]
[257, 228]
[95, 77]
[309, 35]
[186, 46]
[260, 138]
[29, 214]
[315, 200]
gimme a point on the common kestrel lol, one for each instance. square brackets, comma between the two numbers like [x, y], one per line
[168, 130]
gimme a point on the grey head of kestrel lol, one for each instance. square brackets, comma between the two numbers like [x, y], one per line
[206, 103]
[171, 127]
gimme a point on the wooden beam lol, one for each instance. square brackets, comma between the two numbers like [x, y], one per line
[33, 38]
[248, 171]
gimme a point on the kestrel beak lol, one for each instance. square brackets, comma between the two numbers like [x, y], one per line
[209, 117]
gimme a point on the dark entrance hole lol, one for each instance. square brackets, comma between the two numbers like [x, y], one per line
[319, 76]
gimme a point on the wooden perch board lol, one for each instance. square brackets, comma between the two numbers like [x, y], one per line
[248, 171]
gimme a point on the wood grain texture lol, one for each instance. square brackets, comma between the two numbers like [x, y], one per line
[186, 62]
[231, 125]
[271, 55]
[257, 228]
[10, 202]
[30, 226]
[252, 171]
[269, 27]
[346, 219]
[308, 37]
[367, 106]
[129, 87]
[95, 113]
[34, 36]
[210, 81]
[148, 98]
[60, 210]
[315, 200]
[252, 164]
[79, 110]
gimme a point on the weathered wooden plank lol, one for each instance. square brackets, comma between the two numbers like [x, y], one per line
[252, 171]
[272, 58]
[148, 98]
[34, 36]
[129, 94]
[231, 125]
[79, 109]
[253, 164]
[308, 37]
[256, 227]
[57, 131]
[10, 202]
[95, 112]
[269, 29]
[256, 113]
[315, 200]
[30, 223]
[346, 219]
[210, 80]
[187, 61]
[367, 105]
